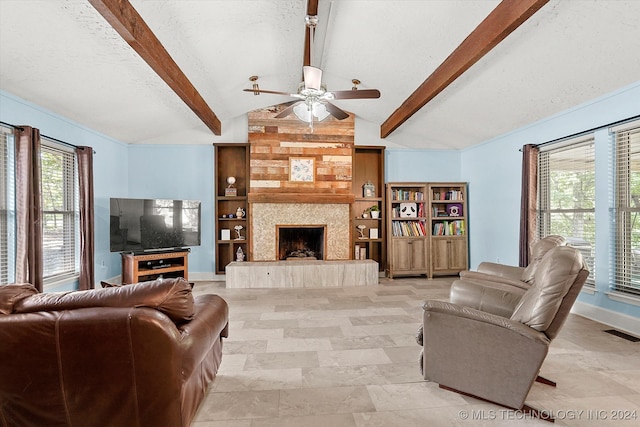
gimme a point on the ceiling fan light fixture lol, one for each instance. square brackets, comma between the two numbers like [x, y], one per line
[320, 111]
[312, 77]
[307, 113]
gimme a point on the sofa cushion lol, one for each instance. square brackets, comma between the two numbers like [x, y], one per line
[171, 296]
[538, 251]
[555, 274]
[12, 293]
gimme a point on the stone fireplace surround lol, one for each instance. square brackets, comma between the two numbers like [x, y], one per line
[266, 217]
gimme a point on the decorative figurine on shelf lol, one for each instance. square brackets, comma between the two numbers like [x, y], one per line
[238, 228]
[240, 213]
[231, 191]
[368, 189]
[361, 228]
[239, 255]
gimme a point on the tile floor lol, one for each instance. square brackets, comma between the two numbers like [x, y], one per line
[348, 357]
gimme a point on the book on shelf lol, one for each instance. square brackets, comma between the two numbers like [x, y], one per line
[356, 255]
[449, 228]
[363, 252]
[406, 194]
[408, 228]
[448, 195]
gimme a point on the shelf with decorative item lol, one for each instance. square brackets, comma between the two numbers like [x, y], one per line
[232, 222]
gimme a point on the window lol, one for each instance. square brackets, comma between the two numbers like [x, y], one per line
[7, 206]
[60, 212]
[626, 277]
[566, 195]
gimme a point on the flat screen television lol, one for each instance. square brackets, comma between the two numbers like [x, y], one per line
[141, 225]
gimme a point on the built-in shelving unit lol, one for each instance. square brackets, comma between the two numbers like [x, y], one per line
[369, 228]
[231, 206]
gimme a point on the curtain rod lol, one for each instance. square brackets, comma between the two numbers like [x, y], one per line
[44, 136]
[575, 135]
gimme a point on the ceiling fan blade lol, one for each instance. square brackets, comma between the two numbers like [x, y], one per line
[288, 110]
[356, 94]
[268, 91]
[336, 112]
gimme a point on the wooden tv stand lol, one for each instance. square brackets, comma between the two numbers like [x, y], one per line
[150, 266]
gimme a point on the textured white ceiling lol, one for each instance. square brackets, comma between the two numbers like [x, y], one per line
[64, 56]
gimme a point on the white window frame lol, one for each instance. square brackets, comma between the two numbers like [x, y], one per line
[70, 212]
[7, 206]
[545, 211]
[626, 228]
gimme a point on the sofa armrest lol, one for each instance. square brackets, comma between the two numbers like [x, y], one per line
[493, 320]
[477, 275]
[502, 270]
[491, 297]
[209, 324]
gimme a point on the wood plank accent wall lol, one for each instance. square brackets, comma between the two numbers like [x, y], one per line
[275, 141]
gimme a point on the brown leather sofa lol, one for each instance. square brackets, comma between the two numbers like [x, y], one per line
[137, 355]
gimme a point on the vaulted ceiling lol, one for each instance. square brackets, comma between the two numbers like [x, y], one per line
[70, 57]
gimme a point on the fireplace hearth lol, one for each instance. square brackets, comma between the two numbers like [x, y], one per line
[300, 242]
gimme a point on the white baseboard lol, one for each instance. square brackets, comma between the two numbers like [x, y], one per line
[622, 322]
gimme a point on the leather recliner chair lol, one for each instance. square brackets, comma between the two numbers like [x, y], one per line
[137, 355]
[513, 275]
[497, 288]
[497, 358]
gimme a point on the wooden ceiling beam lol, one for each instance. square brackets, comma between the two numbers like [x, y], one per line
[501, 22]
[121, 15]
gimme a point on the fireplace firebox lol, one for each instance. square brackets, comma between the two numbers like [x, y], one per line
[300, 242]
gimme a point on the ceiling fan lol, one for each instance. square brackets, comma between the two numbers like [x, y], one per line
[313, 96]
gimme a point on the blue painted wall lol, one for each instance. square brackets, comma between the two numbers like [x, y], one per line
[178, 172]
[422, 165]
[493, 170]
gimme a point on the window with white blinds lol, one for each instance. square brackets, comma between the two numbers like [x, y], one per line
[7, 206]
[566, 195]
[60, 212]
[626, 277]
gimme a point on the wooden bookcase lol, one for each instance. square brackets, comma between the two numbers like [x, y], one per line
[448, 228]
[231, 160]
[150, 266]
[434, 239]
[368, 169]
[408, 232]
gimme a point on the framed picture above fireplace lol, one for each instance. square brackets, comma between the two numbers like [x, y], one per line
[301, 169]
